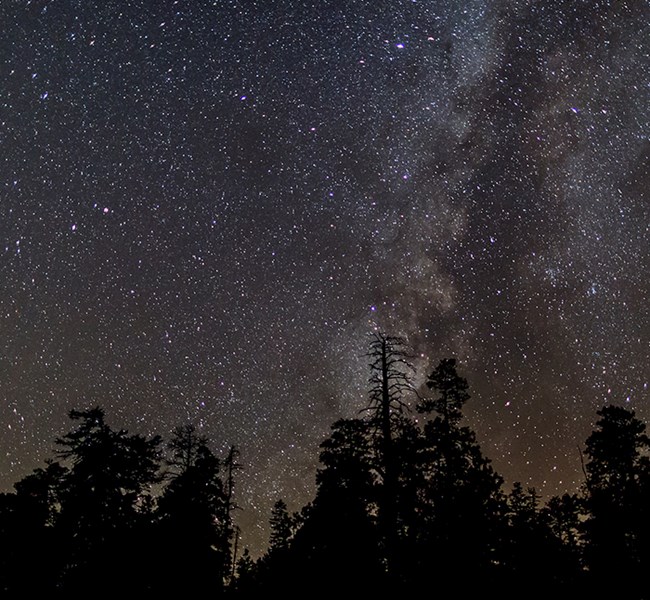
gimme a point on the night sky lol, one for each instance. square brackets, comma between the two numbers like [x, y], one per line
[207, 207]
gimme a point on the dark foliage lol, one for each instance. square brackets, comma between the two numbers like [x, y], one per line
[401, 505]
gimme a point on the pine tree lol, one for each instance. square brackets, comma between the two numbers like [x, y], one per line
[390, 382]
[462, 505]
[27, 537]
[194, 518]
[185, 447]
[100, 521]
[337, 534]
[281, 527]
[617, 499]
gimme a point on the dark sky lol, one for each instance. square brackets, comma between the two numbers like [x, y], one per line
[206, 208]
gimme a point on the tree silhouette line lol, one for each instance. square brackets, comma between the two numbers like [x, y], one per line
[405, 503]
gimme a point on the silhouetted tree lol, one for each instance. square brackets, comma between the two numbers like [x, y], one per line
[276, 568]
[229, 531]
[451, 391]
[408, 444]
[185, 447]
[525, 538]
[27, 541]
[338, 534]
[108, 481]
[390, 380]
[617, 499]
[281, 527]
[247, 582]
[462, 505]
[396, 500]
[536, 554]
[194, 519]
[565, 516]
[40, 493]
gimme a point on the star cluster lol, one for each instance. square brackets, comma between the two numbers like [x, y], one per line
[207, 206]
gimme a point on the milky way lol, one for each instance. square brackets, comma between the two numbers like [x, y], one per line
[207, 207]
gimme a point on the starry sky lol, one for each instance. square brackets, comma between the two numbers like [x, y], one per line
[207, 207]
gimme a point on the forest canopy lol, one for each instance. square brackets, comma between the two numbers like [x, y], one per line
[405, 501]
